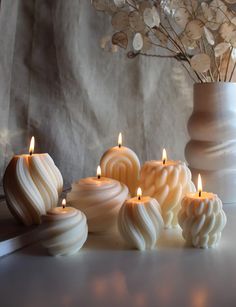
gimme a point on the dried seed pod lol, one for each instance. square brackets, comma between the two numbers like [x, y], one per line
[181, 17]
[209, 36]
[151, 17]
[120, 39]
[138, 42]
[201, 62]
[194, 29]
[221, 48]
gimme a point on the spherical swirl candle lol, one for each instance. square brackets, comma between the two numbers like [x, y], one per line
[66, 230]
[100, 198]
[32, 184]
[202, 218]
[167, 181]
[140, 221]
[121, 163]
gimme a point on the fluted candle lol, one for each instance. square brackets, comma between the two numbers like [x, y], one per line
[100, 198]
[202, 218]
[66, 230]
[32, 184]
[121, 163]
[167, 181]
[140, 222]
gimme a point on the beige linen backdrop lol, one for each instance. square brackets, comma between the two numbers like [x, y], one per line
[58, 85]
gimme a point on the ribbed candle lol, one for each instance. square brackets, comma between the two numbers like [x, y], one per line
[32, 185]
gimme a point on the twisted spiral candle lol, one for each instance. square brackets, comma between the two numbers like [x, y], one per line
[140, 222]
[32, 184]
[66, 231]
[100, 199]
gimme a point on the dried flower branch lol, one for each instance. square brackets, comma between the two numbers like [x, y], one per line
[199, 34]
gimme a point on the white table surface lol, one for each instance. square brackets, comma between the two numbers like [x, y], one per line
[105, 273]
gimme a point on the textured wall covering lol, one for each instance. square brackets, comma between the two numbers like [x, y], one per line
[57, 84]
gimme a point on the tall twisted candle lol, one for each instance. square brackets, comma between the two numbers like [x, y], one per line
[100, 199]
[66, 230]
[202, 218]
[140, 222]
[32, 184]
[168, 182]
[122, 164]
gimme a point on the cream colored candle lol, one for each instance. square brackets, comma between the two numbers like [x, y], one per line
[167, 181]
[121, 163]
[140, 221]
[100, 198]
[32, 184]
[202, 218]
[66, 230]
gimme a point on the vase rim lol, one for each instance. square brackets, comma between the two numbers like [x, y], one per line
[215, 83]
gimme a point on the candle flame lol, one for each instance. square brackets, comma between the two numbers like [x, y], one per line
[164, 156]
[99, 171]
[32, 143]
[139, 193]
[199, 185]
[63, 203]
[120, 139]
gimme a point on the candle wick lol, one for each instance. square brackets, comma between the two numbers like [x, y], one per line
[164, 161]
[139, 198]
[99, 176]
[31, 153]
[63, 206]
[119, 145]
[200, 193]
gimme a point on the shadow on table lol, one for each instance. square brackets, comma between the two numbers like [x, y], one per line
[170, 239]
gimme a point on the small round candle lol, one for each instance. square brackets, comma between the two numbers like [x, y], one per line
[167, 181]
[202, 218]
[100, 198]
[32, 185]
[121, 163]
[66, 230]
[140, 221]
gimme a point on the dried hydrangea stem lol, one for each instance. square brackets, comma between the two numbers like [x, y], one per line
[232, 72]
[228, 61]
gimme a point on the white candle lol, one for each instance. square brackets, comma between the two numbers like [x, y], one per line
[121, 163]
[140, 221]
[32, 184]
[167, 181]
[66, 230]
[100, 199]
[202, 218]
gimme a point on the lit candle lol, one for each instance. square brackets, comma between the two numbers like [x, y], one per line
[122, 164]
[140, 221]
[202, 218]
[167, 181]
[66, 230]
[32, 185]
[100, 198]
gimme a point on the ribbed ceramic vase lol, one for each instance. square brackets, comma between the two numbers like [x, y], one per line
[211, 150]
